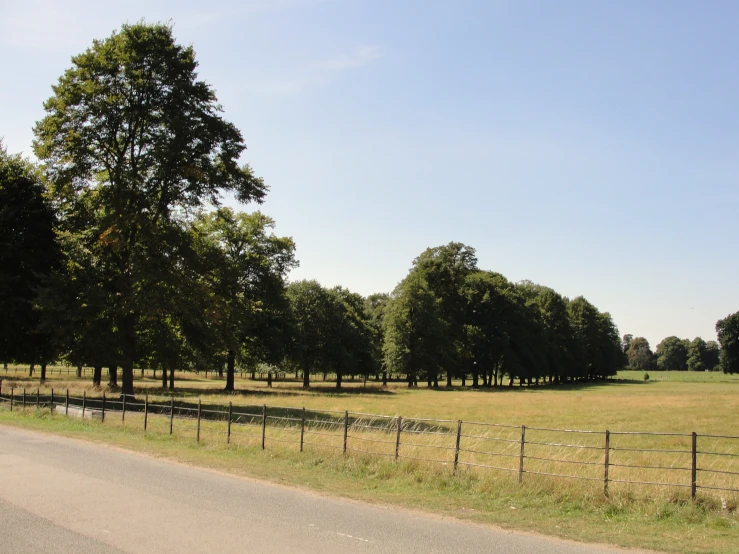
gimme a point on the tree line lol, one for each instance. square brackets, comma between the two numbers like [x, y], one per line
[117, 252]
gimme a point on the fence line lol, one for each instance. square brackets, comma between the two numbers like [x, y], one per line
[611, 457]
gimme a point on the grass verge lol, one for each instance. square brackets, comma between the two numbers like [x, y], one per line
[572, 511]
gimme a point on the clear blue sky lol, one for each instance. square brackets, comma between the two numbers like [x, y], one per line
[589, 146]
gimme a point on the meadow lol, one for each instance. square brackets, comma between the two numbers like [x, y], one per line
[423, 476]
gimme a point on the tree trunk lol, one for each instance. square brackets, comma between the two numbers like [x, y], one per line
[97, 375]
[164, 377]
[306, 378]
[436, 380]
[79, 372]
[171, 378]
[338, 379]
[30, 369]
[475, 378]
[43, 372]
[449, 379]
[384, 378]
[113, 376]
[128, 349]
[230, 369]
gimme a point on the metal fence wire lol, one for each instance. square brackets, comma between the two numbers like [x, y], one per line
[686, 461]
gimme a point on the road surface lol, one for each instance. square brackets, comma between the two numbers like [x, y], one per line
[59, 495]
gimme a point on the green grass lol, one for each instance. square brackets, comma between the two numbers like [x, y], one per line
[658, 518]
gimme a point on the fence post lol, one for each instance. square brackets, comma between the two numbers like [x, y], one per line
[51, 404]
[607, 461]
[37, 395]
[146, 410]
[228, 432]
[84, 402]
[66, 404]
[397, 438]
[264, 423]
[346, 428]
[694, 466]
[102, 416]
[302, 428]
[520, 461]
[171, 414]
[199, 409]
[456, 448]
[123, 415]
[12, 397]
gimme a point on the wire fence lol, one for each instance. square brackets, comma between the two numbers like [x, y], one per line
[708, 463]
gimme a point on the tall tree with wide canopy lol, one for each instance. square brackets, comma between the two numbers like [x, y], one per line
[639, 355]
[132, 135]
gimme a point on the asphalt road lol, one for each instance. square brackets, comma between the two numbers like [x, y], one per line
[61, 495]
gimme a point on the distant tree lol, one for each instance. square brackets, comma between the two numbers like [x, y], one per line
[713, 355]
[728, 338]
[132, 137]
[672, 354]
[639, 355]
[697, 355]
[28, 255]
[626, 342]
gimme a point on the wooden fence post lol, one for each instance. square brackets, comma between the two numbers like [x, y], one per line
[146, 410]
[346, 428]
[37, 395]
[264, 423]
[12, 397]
[51, 404]
[66, 404]
[694, 466]
[84, 403]
[520, 461]
[302, 428]
[24, 399]
[397, 437]
[171, 414]
[606, 462]
[228, 432]
[456, 448]
[123, 415]
[102, 415]
[199, 409]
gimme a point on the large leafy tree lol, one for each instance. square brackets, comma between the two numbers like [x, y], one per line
[245, 265]
[728, 337]
[697, 355]
[28, 255]
[134, 140]
[672, 354]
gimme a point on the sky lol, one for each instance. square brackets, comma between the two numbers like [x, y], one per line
[592, 147]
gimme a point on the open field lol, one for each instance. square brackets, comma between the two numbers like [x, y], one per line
[708, 407]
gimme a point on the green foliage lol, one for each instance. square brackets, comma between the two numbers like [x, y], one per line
[133, 142]
[728, 337]
[639, 354]
[28, 255]
[672, 354]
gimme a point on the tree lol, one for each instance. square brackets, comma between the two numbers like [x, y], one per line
[639, 355]
[697, 355]
[713, 355]
[626, 342]
[134, 139]
[728, 338]
[672, 354]
[245, 265]
[28, 255]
